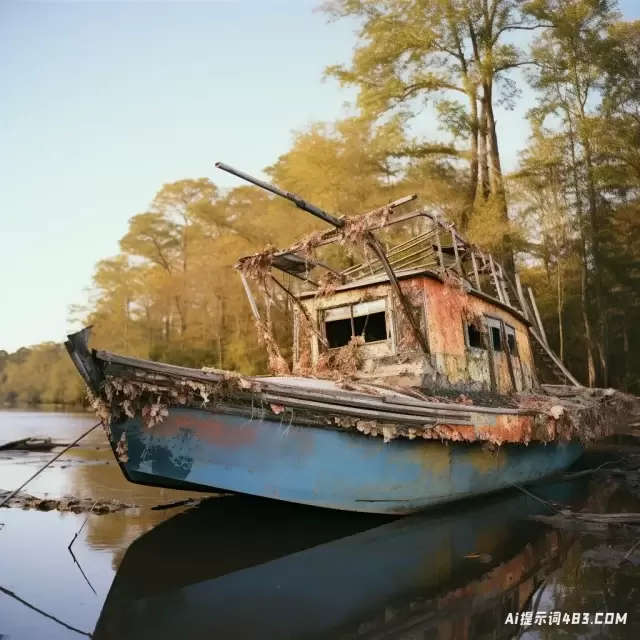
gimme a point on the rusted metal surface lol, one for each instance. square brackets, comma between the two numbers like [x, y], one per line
[443, 311]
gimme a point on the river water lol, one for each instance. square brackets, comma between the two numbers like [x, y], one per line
[243, 568]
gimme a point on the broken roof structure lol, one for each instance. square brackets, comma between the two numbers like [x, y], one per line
[431, 277]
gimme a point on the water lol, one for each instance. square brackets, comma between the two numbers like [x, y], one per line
[248, 568]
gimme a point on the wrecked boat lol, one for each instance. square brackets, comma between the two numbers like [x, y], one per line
[421, 374]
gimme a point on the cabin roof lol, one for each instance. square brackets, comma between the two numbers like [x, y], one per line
[373, 281]
[437, 251]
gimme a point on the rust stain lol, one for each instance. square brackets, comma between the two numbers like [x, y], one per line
[443, 310]
[435, 458]
[208, 430]
[447, 308]
[486, 461]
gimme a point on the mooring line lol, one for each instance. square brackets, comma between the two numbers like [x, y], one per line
[546, 503]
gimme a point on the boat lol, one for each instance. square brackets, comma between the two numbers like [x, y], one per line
[278, 570]
[421, 374]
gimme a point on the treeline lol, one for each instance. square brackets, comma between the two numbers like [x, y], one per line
[41, 375]
[569, 217]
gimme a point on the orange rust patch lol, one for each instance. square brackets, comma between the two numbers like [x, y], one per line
[505, 429]
[447, 308]
[208, 430]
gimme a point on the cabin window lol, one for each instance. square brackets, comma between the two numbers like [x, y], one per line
[368, 319]
[495, 328]
[496, 338]
[474, 337]
[511, 340]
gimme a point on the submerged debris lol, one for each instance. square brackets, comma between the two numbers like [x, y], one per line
[31, 444]
[606, 556]
[65, 504]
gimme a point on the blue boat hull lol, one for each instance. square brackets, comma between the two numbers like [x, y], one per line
[333, 468]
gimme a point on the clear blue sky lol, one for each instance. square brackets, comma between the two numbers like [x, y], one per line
[102, 103]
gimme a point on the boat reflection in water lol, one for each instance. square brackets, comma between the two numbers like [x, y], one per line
[242, 568]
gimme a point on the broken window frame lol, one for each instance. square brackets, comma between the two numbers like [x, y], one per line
[498, 324]
[511, 332]
[368, 308]
[467, 337]
[420, 315]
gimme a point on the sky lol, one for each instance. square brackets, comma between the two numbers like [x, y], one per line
[101, 103]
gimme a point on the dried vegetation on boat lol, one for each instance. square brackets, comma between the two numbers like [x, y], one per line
[370, 409]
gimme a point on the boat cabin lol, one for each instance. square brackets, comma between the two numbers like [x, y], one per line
[461, 352]
[421, 307]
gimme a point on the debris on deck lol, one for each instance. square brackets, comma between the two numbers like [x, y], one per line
[371, 409]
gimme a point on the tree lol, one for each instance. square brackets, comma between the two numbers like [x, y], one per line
[454, 52]
[569, 70]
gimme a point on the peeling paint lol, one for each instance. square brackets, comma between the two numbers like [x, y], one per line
[443, 309]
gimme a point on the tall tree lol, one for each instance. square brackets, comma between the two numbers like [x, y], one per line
[568, 74]
[454, 52]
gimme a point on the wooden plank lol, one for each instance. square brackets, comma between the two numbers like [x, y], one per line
[252, 301]
[436, 222]
[523, 303]
[461, 417]
[555, 358]
[537, 316]
[157, 367]
[503, 284]
[399, 418]
[487, 338]
[496, 282]
[454, 236]
[507, 350]
[475, 270]
[466, 407]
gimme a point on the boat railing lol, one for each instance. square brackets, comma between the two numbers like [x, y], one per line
[438, 249]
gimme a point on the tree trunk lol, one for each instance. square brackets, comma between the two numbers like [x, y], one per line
[591, 369]
[126, 323]
[498, 189]
[625, 348]
[485, 178]
[595, 248]
[181, 315]
[560, 306]
[473, 178]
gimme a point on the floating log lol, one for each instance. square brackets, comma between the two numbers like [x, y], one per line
[31, 444]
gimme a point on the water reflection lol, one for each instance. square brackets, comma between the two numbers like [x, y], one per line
[242, 568]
